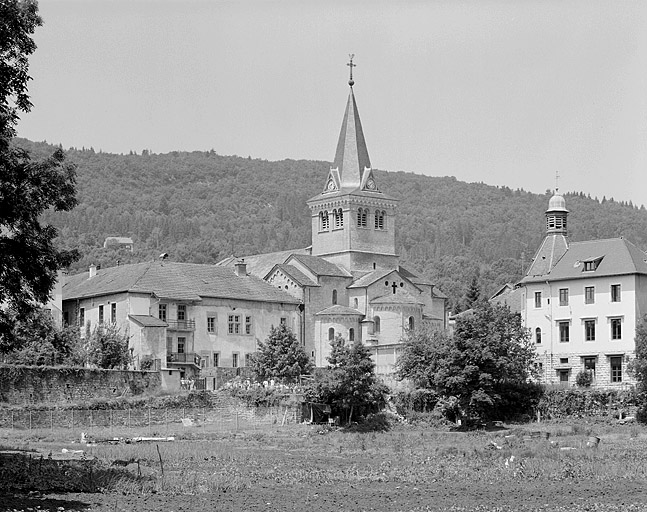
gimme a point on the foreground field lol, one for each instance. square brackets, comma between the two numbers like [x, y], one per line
[312, 468]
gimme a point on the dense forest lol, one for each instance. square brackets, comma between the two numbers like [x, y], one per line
[201, 207]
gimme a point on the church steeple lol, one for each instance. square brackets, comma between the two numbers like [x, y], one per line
[353, 222]
[556, 215]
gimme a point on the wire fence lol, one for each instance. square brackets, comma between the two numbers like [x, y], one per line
[157, 421]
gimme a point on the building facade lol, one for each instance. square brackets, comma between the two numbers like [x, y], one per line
[181, 316]
[582, 302]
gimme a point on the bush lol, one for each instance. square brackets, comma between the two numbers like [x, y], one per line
[584, 379]
[418, 400]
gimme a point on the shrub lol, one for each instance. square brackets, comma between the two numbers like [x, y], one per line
[584, 379]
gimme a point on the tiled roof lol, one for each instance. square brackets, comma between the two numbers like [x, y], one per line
[618, 257]
[320, 266]
[148, 321]
[510, 296]
[296, 275]
[260, 264]
[549, 253]
[401, 297]
[413, 277]
[371, 278]
[170, 280]
[340, 310]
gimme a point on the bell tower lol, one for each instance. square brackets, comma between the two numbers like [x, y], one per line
[353, 221]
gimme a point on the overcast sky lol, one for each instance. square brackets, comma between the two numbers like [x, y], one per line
[504, 92]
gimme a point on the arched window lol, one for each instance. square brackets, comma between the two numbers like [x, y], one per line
[380, 219]
[538, 335]
[324, 221]
[331, 334]
[355, 303]
[376, 324]
[334, 297]
[411, 323]
[351, 334]
[339, 218]
[362, 215]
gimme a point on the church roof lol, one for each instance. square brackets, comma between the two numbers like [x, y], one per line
[550, 251]
[320, 266]
[614, 256]
[340, 310]
[295, 274]
[261, 264]
[401, 297]
[171, 280]
[371, 278]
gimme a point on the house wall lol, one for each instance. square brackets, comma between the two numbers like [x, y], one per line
[557, 357]
[341, 324]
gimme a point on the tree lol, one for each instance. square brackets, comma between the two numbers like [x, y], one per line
[281, 357]
[28, 257]
[36, 340]
[349, 381]
[109, 348]
[472, 295]
[638, 367]
[489, 351]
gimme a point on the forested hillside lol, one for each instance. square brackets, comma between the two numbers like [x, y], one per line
[201, 207]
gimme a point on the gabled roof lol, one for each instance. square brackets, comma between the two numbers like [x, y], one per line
[338, 310]
[260, 264]
[170, 280]
[510, 296]
[295, 274]
[148, 321]
[401, 297]
[320, 266]
[617, 257]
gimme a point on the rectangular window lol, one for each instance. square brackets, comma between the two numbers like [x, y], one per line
[563, 360]
[101, 314]
[563, 296]
[181, 311]
[216, 359]
[616, 369]
[211, 324]
[615, 293]
[234, 360]
[589, 294]
[113, 312]
[616, 328]
[537, 299]
[161, 312]
[181, 344]
[81, 317]
[284, 320]
[564, 332]
[234, 324]
[248, 326]
[589, 364]
[589, 330]
[563, 377]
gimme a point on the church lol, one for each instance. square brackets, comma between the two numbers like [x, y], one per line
[349, 280]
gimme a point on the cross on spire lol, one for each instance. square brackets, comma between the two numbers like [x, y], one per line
[350, 64]
[557, 181]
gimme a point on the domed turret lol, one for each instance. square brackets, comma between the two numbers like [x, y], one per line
[556, 215]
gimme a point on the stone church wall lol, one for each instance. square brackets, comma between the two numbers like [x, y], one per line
[37, 384]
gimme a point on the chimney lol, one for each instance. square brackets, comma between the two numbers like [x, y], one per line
[240, 268]
[93, 271]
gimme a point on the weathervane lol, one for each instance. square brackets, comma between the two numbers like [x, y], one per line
[350, 64]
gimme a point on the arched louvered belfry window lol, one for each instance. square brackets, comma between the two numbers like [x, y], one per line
[331, 334]
[376, 324]
[334, 297]
[380, 219]
[324, 221]
[339, 218]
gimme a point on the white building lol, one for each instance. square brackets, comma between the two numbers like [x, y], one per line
[582, 302]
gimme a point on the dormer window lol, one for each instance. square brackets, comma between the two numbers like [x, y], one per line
[592, 264]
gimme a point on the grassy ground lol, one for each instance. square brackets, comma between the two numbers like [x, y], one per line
[548, 466]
